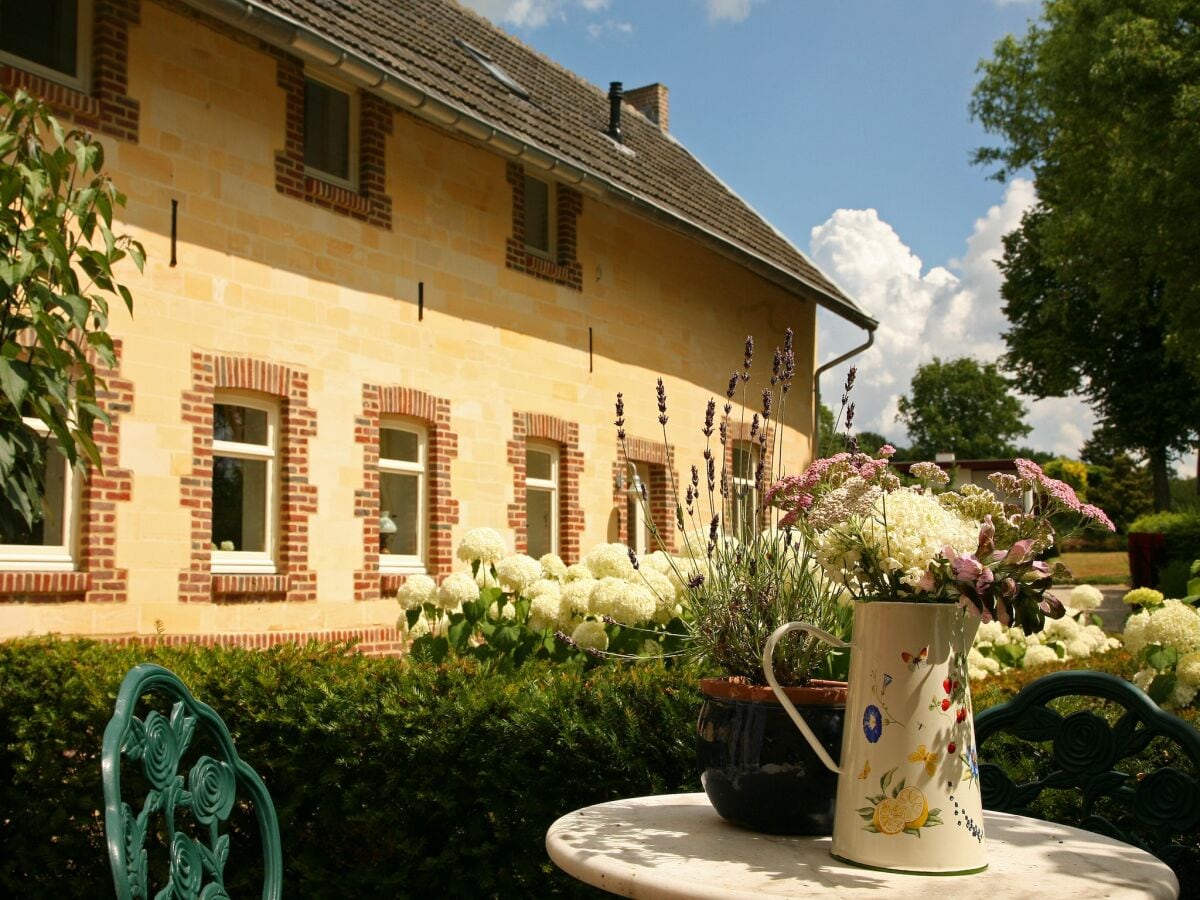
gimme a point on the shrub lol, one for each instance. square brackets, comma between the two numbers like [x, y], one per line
[1181, 532]
[389, 779]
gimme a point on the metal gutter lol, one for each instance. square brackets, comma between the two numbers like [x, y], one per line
[282, 31]
[817, 388]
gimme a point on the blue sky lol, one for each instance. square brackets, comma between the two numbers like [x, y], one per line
[845, 123]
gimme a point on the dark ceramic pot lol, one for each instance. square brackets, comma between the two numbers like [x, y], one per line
[756, 767]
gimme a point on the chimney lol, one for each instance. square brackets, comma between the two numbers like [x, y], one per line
[651, 102]
[614, 111]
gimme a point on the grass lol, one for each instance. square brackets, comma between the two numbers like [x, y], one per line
[1097, 568]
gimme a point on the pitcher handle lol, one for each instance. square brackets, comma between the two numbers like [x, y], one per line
[768, 653]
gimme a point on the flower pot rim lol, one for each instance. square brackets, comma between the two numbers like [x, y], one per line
[817, 692]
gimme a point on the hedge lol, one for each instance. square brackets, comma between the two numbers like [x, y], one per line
[1181, 547]
[390, 779]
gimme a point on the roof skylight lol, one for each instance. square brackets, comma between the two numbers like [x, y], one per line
[493, 68]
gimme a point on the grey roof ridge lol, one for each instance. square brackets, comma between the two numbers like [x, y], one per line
[281, 30]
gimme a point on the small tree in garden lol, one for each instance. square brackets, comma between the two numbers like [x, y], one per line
[57, 255]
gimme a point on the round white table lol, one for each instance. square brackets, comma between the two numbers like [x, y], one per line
[676, 845]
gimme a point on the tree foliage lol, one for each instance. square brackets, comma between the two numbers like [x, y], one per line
[1101, 99]
[57, 255]
[962, 407]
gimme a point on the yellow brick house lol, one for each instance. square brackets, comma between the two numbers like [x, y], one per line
[399, 267]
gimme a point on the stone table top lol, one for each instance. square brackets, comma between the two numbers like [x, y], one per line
[675, 846]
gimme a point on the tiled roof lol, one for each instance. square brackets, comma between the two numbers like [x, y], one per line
[416, 42]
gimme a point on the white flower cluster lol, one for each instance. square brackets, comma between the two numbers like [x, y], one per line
[904, 532]
[997, 648]
[561, 597]
[1176, 626]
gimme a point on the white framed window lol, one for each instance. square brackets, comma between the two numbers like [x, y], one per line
[330, 132]
[541, 499]
[744, 499]
[245, 484]
[403, 496]
[49, 545]
[637, 509]
[539, 217]
[50, 38]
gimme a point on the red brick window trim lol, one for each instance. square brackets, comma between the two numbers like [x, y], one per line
[541, 428]
[381, 403]
[296, 501]
[741, 436]
[563, 269]
[102, 103]
[655, 464]
[369, 202]
[96, 578]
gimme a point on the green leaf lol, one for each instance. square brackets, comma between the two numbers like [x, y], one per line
[1160, 657]
[1161, 688]
[15, 376]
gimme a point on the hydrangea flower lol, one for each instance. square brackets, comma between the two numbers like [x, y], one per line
[543, 611]
[1146, 598]
[482, 544]
[515, 573]
[1085, 597]
[576, 599]
[590, 635]
[456, 589]
[1176, 625]
[416, 591]
[577, 572]
[553, 566]
[629, 604]
[1039, 655]
[1135, 631]
[609, 561]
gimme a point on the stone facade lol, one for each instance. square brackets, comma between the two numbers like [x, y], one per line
[412, 295]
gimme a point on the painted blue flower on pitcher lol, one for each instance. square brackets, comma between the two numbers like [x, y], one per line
[872, 723]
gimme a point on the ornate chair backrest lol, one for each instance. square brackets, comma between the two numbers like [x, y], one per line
[1121, 791]
[192, 806]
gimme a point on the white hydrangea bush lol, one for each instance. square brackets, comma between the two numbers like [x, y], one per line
[1166, 640]
[513, 606]
[1075, 636]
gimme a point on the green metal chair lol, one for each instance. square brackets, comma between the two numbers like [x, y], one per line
[1112, 770]
[191, 808]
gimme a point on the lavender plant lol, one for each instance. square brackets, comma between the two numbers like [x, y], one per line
[743, 574]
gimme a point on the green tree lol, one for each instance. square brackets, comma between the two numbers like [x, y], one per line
[57, 253]
[1101, 99]
[964, 408]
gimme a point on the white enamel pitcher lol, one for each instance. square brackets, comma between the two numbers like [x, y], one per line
[908, 797]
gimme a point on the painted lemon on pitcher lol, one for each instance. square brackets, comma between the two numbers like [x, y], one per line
[898, 809]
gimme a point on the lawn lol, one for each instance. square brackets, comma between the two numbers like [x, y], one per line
[1097, 568]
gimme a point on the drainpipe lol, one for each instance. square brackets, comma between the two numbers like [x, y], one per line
[817, 388]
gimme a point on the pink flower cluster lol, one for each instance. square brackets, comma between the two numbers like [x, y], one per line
[1031, 475]
[796, 493]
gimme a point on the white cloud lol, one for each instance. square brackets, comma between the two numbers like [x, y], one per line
[597, 30]
[728, 10]
[947, 311]
[536, 13]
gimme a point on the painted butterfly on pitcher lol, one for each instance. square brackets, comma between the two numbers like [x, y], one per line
[921, 755]
[913, 660]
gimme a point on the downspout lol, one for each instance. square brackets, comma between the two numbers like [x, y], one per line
[817, 388]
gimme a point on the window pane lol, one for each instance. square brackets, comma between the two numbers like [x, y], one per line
[539, 464]
[743, 461]
[47, 529]
[240, 424]
[537, 214]
[44, 32]
[397, 444]
[400, 501]
[327, 129]
[539, 521]
[239, 504]
[633, 510]
[743, 513]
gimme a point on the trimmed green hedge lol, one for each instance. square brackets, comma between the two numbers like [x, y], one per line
[1181, 546]
[390, 780]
